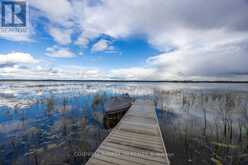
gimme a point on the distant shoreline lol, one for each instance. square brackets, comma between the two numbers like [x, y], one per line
[134, 81]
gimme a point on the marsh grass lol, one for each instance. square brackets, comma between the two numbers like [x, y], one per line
[200, 126]
[220, 118]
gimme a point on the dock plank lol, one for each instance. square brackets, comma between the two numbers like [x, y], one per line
[135, 140]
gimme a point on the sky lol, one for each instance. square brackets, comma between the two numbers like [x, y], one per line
[129, 40]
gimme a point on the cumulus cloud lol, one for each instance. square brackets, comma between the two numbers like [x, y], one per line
[123, 18]
[16, 58]
[59, 52]
[82, 41]
[57, 11]
[102, 45]
[195, 37]
[60, 73]
[219, 55]
[85, 37]
[61, 36]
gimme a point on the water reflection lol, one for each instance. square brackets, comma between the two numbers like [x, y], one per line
[205, 127]
[48, 122]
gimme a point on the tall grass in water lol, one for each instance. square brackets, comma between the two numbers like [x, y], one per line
[207, 126]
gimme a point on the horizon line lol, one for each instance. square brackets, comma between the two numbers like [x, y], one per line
[158, 81]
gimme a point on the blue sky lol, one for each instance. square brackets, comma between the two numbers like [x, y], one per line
[140, 39]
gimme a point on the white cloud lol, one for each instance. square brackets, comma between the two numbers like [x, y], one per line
[17, 58]
[101, 45]
[82, 41]
[162, 19]
[224, 57]
[64, 14]
[61, 36]
[83, 73]
[220, 60]
[85, 37]
[204, 42]
[132, 73]
[60, 73]
[163, 22]
[59, 52]
[26, 37]
[57, 11]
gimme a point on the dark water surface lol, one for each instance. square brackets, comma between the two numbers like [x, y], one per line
[62, 122]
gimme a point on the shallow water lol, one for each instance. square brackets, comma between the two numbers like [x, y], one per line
[62, 122]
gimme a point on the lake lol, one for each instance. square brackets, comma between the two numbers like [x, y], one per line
[62, 122]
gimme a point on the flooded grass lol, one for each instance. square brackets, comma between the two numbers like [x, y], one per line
[205, 127]
[62, 122]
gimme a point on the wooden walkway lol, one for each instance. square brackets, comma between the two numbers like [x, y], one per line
[136, 140]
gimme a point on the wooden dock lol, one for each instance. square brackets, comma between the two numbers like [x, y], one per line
[136, 140]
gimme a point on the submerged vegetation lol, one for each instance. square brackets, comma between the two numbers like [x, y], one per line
[47, 122]
[210, 126]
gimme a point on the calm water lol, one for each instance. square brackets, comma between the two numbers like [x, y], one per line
[62, 122]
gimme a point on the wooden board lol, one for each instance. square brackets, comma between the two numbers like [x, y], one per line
[136, 140]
